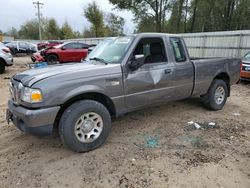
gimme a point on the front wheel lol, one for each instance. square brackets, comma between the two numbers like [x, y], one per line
[52, 59]
[85, 125]
[216, 96]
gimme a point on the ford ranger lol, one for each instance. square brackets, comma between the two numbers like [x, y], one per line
[119, 76]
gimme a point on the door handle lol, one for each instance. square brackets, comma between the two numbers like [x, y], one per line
[167, 71]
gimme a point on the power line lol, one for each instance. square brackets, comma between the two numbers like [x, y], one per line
[39, 5]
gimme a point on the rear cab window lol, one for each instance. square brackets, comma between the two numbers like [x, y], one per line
[178, 49]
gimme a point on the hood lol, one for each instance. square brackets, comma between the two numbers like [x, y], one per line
[30, 77]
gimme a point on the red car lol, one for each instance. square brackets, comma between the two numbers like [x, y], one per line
[245, 68]
[66, 52]
[49, 44]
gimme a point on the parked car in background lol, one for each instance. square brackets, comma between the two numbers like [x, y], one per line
[18, 47]
[48, 44]
[52, 43]
[245, 68]
[6, 58]
[66, 52]
[41, 45]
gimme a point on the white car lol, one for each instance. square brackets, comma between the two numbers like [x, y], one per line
[6, 59]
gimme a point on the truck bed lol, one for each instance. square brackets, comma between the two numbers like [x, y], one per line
[206, 69]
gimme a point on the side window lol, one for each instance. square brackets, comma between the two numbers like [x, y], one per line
[153, 49]
[69, 46]
[84, 46]
[23, 45]
[178, 49]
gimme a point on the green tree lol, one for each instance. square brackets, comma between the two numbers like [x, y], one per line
[12, 32]
[66, 32]
[176, 21]
[29, 30]
[149, 9]
[95, 17]
[115, 25]
[52, 30]
[146, 24]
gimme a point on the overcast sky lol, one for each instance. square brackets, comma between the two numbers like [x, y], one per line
[13, 13]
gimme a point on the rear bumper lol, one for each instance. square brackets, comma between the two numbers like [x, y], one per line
[38, 122]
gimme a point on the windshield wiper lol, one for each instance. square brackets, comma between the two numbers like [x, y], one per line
[99, 59]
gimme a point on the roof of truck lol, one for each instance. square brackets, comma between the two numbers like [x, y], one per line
[157, 34]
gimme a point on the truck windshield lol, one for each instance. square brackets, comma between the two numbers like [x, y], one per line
[111, 50]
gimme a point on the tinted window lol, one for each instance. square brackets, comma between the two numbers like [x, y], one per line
[73, 46]
[12, 44]
[178, 49]
[23, 45]
[84, 46]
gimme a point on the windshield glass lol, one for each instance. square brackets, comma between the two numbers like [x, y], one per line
[111, 50]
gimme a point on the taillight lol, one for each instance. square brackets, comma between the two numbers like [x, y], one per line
[6, 50]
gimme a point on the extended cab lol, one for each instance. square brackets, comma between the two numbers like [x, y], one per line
[119, 76]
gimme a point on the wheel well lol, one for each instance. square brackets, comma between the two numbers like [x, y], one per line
[226, 78]
[47, 55]
[103, 99]
[2, 61]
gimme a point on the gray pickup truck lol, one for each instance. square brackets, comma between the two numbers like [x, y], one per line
[119, 76]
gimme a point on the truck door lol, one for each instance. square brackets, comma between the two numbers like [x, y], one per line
[183, 73]
[148, 84]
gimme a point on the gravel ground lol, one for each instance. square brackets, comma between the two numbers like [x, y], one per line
[148, 148]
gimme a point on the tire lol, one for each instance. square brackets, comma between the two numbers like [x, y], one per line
[214, 99]
[52, 58]
[75, 138]
[2, 66]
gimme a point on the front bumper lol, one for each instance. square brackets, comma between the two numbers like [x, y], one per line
[38, 122]
[245, 75]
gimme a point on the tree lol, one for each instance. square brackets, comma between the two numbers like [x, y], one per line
[146, 24]
[87, 33]
[66, 32]
[149, 9]
[29, 30]
[12, 32]
[95, 17]
[176, 21]
[115, 25]
[52, 29]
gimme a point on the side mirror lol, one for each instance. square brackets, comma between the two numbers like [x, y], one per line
[136, 62]
[63, 48]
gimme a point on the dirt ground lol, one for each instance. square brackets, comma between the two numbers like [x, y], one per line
[149, 148]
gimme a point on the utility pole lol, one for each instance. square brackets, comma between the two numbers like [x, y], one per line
[38, 5]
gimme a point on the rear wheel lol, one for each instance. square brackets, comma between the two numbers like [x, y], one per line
[85, 125]
[216, 96]
[2, 66]
[52, 59]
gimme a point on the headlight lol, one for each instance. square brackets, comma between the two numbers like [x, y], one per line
[31, 95]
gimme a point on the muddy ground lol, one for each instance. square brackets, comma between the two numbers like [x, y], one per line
[149, 148]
